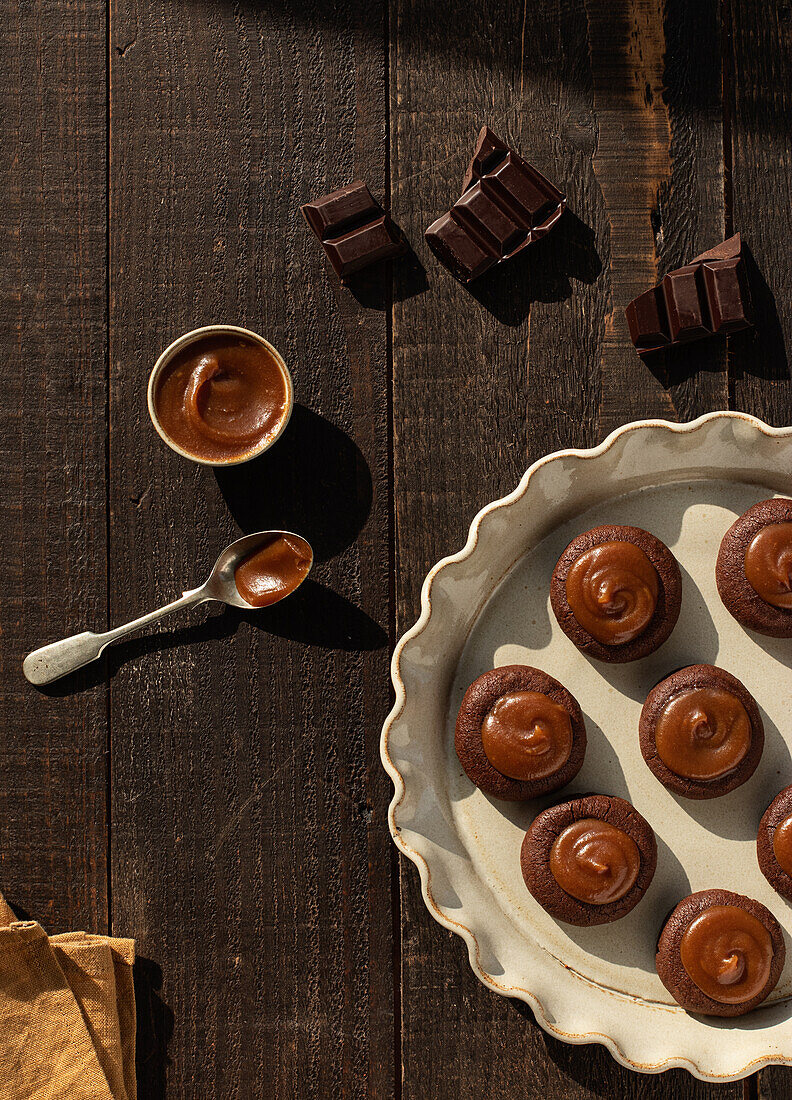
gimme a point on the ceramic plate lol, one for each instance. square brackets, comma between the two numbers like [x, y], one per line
[487, 606]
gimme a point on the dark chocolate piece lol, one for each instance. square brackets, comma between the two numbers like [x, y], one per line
[354, 229]
[709, 296]
[488, 152]
[505, 206]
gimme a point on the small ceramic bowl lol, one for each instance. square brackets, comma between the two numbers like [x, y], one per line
[190, 338]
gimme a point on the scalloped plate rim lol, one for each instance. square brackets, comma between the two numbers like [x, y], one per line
[436, 911]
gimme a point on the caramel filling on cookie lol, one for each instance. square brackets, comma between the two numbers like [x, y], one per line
[782, 845]
[526, 735]
[768, 564]
[703, 733]
[594, 861]
[612, 591]
[727, 952]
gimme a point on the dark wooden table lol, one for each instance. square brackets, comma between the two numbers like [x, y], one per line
[214, 789]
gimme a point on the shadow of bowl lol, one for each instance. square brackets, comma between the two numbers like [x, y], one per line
[315, 482]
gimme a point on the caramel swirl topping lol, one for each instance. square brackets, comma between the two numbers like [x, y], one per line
[612, 591]
[768, 564]
[728, 953]
[594, 861]
[782, 845]
[526, 735]
[703, 733]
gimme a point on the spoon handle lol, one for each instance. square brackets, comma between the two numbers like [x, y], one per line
[49, 663]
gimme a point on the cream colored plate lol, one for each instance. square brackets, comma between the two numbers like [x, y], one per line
[488, 605]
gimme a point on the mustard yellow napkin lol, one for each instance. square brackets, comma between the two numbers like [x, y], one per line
[7, 914]
[98, 970]
[67, 1014]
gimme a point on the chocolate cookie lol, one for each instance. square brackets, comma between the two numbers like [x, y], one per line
[774, 843]
[720, 953]
[700, 732]
[519, 733]
[754, 568]
[589, 861]
[616, 592]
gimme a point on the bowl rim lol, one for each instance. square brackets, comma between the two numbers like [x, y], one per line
[191, 337]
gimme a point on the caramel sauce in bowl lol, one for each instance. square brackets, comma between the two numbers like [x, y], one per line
[220, 395]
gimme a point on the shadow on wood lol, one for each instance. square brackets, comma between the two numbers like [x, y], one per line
[383, 284]
[760, 351]
[600, 1075]
[676, 365]
[315, 482]
[541, 273]
[318, 616]
[315, 615]
[84, 679]
[154, 1031]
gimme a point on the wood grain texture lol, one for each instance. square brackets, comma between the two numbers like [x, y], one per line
[659, 161]
[627, 48]
[759, 66]
[774, 1083]
[250, 854]
[691, 214]
[489, 377]
[52, 466]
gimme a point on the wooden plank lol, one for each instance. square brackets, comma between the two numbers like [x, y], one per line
[774, 1083]
[656, 77]
[691, 215]
[757, 76]
[52, 467]
[250, 852]
[535, 359]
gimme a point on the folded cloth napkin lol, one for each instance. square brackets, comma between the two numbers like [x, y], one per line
[67, 1014]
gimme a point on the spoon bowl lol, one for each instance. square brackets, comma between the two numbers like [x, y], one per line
[49, 663]
[222, 584]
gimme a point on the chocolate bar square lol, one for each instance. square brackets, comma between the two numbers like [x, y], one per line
[484, 219]
[460, 250]
[648, 321]
[364, 245]
[728, 294]
[686, 304]
[354, 229]
[521, 191]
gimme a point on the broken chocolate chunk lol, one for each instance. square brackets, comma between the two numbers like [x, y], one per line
[709, 296]
[505, 206]
[354, 229]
